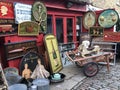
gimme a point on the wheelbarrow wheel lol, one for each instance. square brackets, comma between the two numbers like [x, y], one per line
[90, 69]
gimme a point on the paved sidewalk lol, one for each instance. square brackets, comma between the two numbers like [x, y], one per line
[74, 75]
[103, 80]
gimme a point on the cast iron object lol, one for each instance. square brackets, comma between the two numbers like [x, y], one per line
[90, 69]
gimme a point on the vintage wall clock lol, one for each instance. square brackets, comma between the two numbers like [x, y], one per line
[39, 13]
[89, 19]
[108, 18]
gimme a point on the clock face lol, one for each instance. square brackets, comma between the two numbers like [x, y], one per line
[89, 19]
[39, 13]
[108, 18]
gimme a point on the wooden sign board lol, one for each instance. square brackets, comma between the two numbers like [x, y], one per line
[16, 50]
[96, 31]
[7, 21]
[53, 53]
[112, 36]
[7, 29]
[28, 28]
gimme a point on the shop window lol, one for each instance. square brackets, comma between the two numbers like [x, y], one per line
[59, 29]
[69, 29]
[78, 27]
[49, 24]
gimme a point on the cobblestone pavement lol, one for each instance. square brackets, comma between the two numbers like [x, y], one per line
[102, 81]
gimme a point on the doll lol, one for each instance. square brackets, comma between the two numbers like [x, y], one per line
[26, 72]
[40, 71]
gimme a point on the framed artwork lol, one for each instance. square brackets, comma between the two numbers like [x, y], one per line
[53, 53]
[108, 18]
[28, 28]
[17, 50]
[6, 10]
[96, 31]
[89, 19]
[7, 29]
[39, 14]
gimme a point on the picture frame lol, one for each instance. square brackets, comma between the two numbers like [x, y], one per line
[96, 31]
[7, 29]
[53, 53]
[28, 28]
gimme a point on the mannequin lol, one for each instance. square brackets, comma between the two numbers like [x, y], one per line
[40, 71]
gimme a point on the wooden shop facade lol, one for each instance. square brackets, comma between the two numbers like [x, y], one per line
[64, 20]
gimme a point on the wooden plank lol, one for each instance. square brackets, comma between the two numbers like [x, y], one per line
[112, 36]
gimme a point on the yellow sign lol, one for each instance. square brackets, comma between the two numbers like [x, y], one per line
[53, 53]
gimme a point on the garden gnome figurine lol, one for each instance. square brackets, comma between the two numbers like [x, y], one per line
[26, 72]
[40, 71]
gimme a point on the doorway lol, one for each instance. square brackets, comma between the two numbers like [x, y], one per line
[64, 29]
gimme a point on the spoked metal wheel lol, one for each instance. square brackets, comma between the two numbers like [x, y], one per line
[90, 69]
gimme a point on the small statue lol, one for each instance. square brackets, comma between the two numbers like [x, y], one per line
[84, 48]
[40, 71]
[26, 72]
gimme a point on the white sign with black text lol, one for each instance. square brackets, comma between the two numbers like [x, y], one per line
[22, 12]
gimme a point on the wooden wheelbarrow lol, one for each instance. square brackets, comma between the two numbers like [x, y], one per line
[90, 63]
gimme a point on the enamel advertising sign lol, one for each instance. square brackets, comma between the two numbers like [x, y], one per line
[6, 10]
[22, 12]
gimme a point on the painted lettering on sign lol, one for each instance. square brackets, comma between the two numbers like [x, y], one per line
[22, 12]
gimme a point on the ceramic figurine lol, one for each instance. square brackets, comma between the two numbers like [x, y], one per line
[40, 71]
[26, 72]
[83, 48]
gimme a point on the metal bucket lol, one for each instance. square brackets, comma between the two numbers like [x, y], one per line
[12, 78]
[42, 84]
[17, 87]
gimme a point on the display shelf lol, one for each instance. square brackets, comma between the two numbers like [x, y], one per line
[66, 46]
[108, 47]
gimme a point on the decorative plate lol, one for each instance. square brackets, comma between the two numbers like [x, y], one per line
[89, 19]
[39, 13]
[108, 18]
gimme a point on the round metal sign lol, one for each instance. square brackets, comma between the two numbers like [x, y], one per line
[89, 19]
[108, 18]
[39, 13]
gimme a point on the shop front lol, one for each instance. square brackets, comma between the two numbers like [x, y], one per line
[64, 20]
